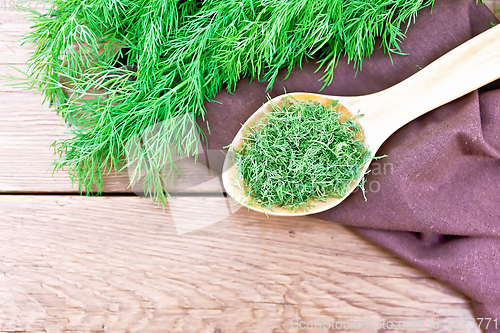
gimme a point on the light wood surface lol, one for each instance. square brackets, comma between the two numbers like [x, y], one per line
[117, 263]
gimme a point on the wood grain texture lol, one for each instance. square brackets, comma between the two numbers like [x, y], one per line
[26, 132]
[116, 264]
[29, 128]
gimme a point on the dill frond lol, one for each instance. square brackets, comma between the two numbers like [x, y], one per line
[300, 152]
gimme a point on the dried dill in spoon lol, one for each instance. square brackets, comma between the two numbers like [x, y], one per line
[299, 152]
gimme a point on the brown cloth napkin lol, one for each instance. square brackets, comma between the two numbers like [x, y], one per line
[434, 201]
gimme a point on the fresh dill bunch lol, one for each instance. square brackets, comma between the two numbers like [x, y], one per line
[114, 69]
[300, 152]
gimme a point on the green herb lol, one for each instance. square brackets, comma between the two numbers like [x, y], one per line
[298, 152]
[115, 68]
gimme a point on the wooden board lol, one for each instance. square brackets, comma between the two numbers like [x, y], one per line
[25, 157]
[117, 264]
[29, 128]
[69, 264]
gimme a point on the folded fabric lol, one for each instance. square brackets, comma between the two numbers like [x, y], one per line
[433, 201]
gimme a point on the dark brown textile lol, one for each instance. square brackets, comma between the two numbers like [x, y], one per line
[437, 205]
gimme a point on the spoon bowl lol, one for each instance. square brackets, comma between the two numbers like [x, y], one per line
[460, 71]
[234, 186]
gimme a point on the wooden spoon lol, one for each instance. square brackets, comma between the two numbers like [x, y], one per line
[460, 71]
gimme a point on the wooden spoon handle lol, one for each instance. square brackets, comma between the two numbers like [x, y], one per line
[458, 72]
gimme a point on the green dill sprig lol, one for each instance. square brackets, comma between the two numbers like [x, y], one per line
[113, 69]
[300, 152]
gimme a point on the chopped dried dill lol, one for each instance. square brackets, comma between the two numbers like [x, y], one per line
[300, 151]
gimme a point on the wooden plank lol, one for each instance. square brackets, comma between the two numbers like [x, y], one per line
[27, 131]
[13, 25]
[116, 264]
[11, 53]
[6, 84]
